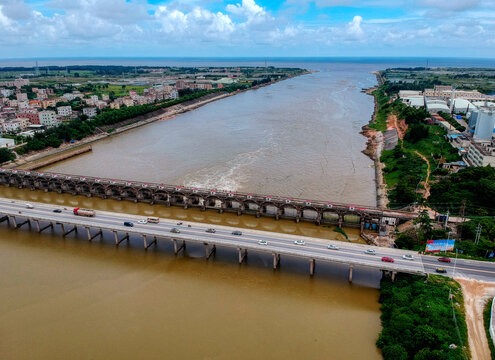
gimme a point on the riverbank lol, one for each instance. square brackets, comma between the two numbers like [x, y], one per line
[374, 147]
[25, 161]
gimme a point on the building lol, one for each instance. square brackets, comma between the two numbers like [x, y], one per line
[416, 101]
[48, 118]
[180, 84]
[473, 118]
[461, 105]
[105, 97]
[485, 124]
[21, 96]
[6, 92]
[434, 106]
[69, 96]
[49, 102]
[7, 143]
[64, 110]
[481, 153]
[32, 116]
[89, 111]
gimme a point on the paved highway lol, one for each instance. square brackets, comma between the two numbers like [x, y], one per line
[276, 243]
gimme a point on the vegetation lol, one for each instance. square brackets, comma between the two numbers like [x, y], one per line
[417, 319]
[486, 321]
[452, 121]
[5, 155]
[383, 110]
[341, 231]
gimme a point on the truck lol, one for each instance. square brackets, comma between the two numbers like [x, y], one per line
[84, 212]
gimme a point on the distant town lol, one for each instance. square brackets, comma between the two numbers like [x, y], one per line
[33, 100]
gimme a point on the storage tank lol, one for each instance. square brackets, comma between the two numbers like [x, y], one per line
[485, 124]
[473, 118]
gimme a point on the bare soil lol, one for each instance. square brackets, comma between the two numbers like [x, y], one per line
[476, 294]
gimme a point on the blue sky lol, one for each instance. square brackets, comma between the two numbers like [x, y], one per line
[224, 28]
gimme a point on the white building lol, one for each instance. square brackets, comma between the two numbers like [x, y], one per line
[7, 143]
[461, 105]
[64, 110]
[6, 92]
[89, 111]
[69, 96]
[434, 106]
[481, 153]
[48, 118]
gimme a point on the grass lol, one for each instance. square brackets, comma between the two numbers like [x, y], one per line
[341, 231]
[486, 321]
[380, 123]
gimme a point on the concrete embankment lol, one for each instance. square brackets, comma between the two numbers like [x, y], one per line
[49, 160]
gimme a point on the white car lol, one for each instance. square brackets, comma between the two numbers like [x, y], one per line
[333, 247]
[142, 221]
[299, 242]
[29, 206]
[370, 252]
[408, 257]
[262, 242]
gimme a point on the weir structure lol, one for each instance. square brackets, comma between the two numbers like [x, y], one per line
[41, 217]
[277, 207]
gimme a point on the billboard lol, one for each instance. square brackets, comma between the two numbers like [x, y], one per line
[440, 245]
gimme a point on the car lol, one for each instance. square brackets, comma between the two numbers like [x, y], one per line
[236, 232]
[387, 259]
[299, 242]
[440, 270]
[263, 242]
[128, 223]
[179, 223]
[175, 231]
[142, 221]
[370, 252]
[333, 247]
[29, 206]
[408, 257]
[444, 259]
[211, 230]
[57, 211]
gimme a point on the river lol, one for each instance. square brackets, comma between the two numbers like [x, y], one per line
[69, 298]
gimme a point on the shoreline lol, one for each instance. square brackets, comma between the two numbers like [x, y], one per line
[29, 160]
[374, 147]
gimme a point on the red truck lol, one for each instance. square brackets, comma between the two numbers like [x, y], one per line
[84, 212]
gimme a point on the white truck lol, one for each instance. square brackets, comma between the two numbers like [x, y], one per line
[84, 212]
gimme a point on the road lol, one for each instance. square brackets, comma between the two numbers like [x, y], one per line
[276, 243]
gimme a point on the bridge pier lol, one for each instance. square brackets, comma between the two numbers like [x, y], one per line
[361, 226]
[12, 221]
[350, 272]
[65, 233]
[117, 240]
[341, 220]
[95, 235]
[242, 254]
[276, 261]
[311, 267]
[4, 218]
[45, 227]
[179, 248]
[146, 245]
[393, 276]
[24, 222]
[208, 251]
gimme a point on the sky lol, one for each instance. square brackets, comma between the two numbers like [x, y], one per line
[242, 28]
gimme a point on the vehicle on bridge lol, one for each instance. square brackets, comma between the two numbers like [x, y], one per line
[333, 247]
[211, 230]
[84, 212]
[175, 231]
[299, 242]
[263, 242]
[29, 206]
[58, 211]
[440, 270]
[236, 232]
[370, 252]
[387, 259]
[408, 257]
[143, 221]
[153, 219]
[128, 223]
[444, 259]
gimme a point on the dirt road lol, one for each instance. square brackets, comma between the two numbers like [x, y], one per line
[476, 293]
[427, 180]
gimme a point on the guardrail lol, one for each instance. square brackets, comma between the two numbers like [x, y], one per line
[492, 322]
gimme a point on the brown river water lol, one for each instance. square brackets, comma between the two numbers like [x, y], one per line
[74, 299]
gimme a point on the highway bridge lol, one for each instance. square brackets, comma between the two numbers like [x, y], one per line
[41, 217]
[175, 195]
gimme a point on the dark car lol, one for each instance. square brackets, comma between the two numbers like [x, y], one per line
[444, 259]
[440, 270]
[236, 232]
[175, 231]
[128, 223]
[57, 211]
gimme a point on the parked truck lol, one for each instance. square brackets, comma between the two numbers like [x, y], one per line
[84, 212]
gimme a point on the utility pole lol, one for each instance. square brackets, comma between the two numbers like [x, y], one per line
[478, 234]
[461, 213]
[446, 220]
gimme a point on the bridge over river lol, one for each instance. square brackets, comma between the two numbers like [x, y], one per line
[41, 217]
[175, 195]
